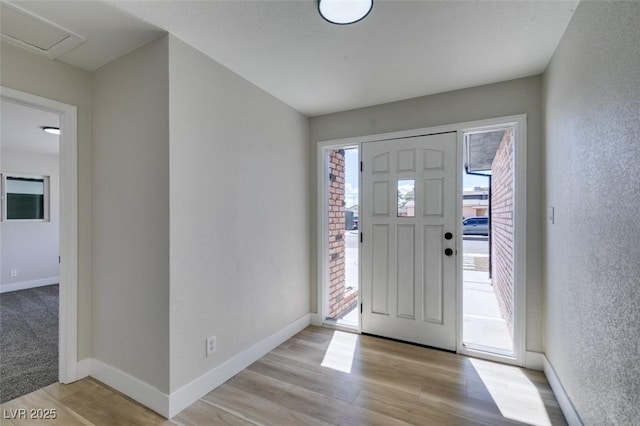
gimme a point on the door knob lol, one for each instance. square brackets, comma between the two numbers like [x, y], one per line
[448, 251]
[448, 236]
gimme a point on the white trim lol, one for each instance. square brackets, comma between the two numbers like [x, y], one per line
[170, 405]
[322, 230]
[459, 244]
[314, 319]
[69, 244]
[520, 243]
[340, 327]
[534, 360]
[490, 356]
[191, 392]
[468, 125]
[135, 388]
[68, 336]
[568, 409]
[519, 123]
[23, 285]
[83, 368]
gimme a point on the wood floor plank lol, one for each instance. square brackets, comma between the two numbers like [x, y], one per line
[405, 407]
[257, 409]
[202, 414]
[59, 390]
[40, 400]
[319, 382]
[357, 375]
[334, 411]
[260, 385]
[104, 406]
[455, 404]
[374, 382]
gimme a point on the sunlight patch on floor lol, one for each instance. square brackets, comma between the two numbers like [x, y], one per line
[514, 394]
[339, 355]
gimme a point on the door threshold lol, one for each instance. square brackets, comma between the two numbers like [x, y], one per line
[489, 349]
[341, 327]
[409, 343]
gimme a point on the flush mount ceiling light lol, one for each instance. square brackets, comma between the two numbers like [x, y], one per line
[343, 12]
[51, 130]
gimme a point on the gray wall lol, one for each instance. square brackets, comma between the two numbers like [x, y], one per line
[131, 214]
[592, 114]
[478, 103]
[239, 213]
[40, 76]
[32, 247]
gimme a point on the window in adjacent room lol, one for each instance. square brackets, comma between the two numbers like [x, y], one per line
[25, 197]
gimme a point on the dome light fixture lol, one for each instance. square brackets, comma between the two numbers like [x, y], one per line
[344, 12]
[51, 130]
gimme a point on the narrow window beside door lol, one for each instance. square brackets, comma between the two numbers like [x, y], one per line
[342, 223]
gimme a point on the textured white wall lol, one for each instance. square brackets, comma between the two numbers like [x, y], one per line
[40, 76]
[32, 247]
[131, 214]
[478, 103]
[239, 213]
[592, 114]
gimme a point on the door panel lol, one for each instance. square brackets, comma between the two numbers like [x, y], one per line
[380, 197]
[380, 263]
[433, 280]
[406, 271]
[433, 197]
[406, 160]
[409, 284]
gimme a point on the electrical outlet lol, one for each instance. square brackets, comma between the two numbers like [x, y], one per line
[211, 345]
[14, 273]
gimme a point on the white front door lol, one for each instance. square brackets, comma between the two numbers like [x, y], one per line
[408, 240]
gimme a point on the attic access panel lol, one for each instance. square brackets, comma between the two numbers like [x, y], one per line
[35, 34]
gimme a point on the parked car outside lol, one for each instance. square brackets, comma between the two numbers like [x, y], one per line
[476, 225]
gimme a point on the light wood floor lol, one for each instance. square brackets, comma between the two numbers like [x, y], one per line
[322, 376]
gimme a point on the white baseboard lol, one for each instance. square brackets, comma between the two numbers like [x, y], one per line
[191, 392]
[534, 360]
[170, 405]
[23, 285]
[135, 388]
[569, 411]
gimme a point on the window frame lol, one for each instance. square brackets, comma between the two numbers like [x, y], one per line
[46, 196]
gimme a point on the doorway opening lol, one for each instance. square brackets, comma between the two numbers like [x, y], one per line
[30, 229]
[66, 256]
[488, 265]
[341, 223]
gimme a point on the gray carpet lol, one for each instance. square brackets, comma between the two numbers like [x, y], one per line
[28, 340]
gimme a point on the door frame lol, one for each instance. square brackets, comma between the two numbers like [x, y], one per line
[519, 123]
[68, 288]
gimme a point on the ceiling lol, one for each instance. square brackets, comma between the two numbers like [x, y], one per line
[22, 128]
[403, 49]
